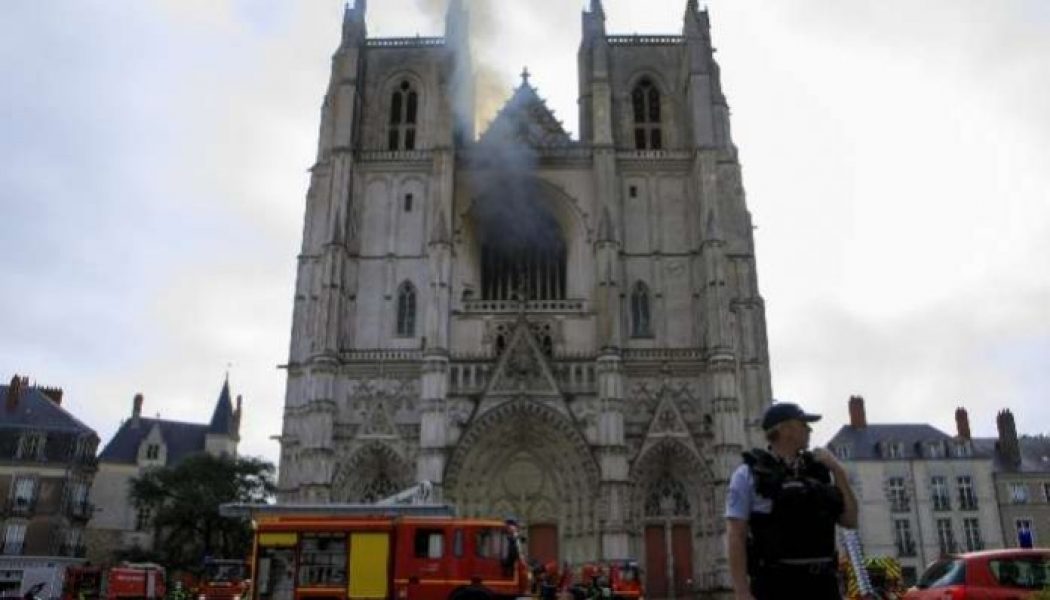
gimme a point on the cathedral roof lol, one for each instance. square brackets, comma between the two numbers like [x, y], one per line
[222, 420]
[526, 118]
[180, 440]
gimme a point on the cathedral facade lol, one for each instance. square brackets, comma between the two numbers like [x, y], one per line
[564, 330]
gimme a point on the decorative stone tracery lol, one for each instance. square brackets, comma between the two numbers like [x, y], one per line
[374, 472]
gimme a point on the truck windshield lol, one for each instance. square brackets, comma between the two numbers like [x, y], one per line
[224, 571]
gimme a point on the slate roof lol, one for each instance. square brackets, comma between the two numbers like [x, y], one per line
[36, 411]
[181, 439]
[222, 421]
[1035, 454]
[526, 119]
[864, 442]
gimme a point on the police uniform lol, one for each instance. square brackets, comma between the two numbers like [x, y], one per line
[791, 511]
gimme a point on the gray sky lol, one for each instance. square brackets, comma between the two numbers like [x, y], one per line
[153, 160]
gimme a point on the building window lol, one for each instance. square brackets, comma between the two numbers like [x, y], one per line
[406, 310]
[939, 493]
[945, 537]
[1018, 493]
[24, 495]
[153, 452]
[935, 450]
[408, 202]
[142, 519]
[641, 323]
[963, 449]
[902, 537]
[893, 450]
[843, 452]
[404, 106]
[967, 497]
[31, 446]
[1025, 533]
[972, 531]
[645, 100]
[14, 537]
[1046, 492]
[898, 494]
[632, 191]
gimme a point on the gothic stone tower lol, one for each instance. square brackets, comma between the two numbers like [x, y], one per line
[569, 331]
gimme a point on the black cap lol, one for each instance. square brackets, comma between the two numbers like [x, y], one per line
[785, 411]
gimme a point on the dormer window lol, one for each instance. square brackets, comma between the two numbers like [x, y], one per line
[31, 446]
[153, 452]
[963, 450]
[645, 100]
[843, 452]
[404, 109]
[893, 450]
[935, 450]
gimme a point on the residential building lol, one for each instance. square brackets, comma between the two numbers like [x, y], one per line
[1022, 482]
[923, 493]
[142, 443]
[567, 329]
[47, 466]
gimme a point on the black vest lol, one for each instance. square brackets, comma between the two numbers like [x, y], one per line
[806, 506]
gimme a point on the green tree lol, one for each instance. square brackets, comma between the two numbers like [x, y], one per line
[183, 501]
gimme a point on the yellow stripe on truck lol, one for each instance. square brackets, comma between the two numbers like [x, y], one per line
[369, 559]
[278, 539]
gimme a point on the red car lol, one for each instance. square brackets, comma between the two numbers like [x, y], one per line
[987, 575]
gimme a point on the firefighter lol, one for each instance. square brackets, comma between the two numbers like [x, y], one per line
[513, 553]
[781, 510]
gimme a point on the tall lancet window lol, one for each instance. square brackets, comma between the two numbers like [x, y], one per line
[404, 109]
[641, 317]
[522, 247]
[406, 310]
[646, 102]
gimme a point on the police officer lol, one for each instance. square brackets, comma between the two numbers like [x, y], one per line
[781, 510]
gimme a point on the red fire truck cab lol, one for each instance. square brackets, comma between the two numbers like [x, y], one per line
[224, 579]
[352, 552]
[135, 580]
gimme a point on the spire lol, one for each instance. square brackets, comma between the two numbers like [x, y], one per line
[223, 417]
[693, 6]
[597, 9]
[525, 77]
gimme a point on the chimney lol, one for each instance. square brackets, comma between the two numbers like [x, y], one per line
[857, 418]
[962, 423]
[1008, 446]
[14, 393]
[136, 406]
[54, 394]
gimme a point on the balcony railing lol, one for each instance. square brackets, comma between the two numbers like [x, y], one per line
[900, 505]
[80, 509]
[20, 506]
[532, 306]
[74, 550]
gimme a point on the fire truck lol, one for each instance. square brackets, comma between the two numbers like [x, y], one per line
[397, 552]
[223, 579]
[127, 580]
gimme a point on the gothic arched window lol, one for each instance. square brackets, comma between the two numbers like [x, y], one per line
[641, 317]
[406, 310]
[645, 100]
[404, 109]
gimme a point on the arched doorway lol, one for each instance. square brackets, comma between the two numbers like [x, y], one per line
[375, 471]
[524, 459]
[671, 498]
